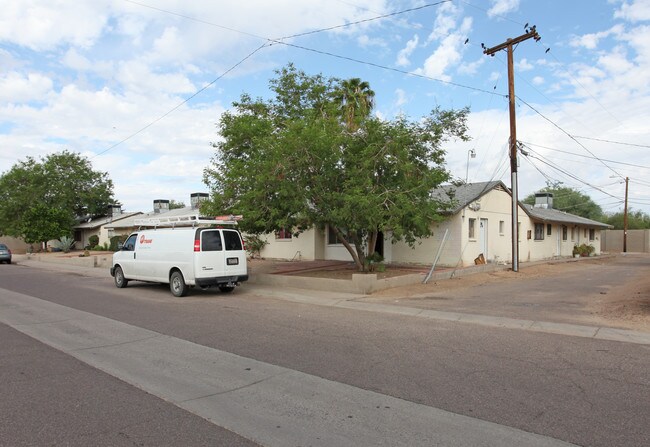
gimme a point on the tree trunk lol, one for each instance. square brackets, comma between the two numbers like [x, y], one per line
[372, 242]
[357, 257]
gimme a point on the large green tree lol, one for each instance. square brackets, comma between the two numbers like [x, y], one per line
[636, 220]
[41, 199]
[571, 201]
[293, 162]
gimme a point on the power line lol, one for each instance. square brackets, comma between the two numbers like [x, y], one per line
[307, 33]
[613, 142]
[570, 175]
[585, 156]
[384, 67]
[182, 102]
[569, 135]
[269, 42]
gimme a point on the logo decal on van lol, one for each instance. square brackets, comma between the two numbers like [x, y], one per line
[144, 241]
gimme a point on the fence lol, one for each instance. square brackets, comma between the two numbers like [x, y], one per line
[638, 241]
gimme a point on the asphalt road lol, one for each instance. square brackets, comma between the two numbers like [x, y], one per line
[573, 389]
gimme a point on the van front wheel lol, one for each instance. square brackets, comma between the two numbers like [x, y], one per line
[120, 281]
[226, 289]
[177, 284]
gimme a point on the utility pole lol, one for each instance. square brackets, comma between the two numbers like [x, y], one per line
[508, 46]
[627, 180]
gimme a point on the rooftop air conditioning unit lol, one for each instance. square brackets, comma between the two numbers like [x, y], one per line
[475, 206]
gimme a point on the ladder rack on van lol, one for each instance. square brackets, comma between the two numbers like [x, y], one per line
[187, 220]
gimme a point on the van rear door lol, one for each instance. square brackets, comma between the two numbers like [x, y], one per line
[209, 255]
[235, 254]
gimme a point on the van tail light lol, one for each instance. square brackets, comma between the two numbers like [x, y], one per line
[197, 245]
[243, 243]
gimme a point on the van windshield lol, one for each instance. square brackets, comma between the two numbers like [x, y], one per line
[232, 241]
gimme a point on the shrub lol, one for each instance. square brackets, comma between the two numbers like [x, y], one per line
[116, 241]
[583, 249]
[374, 262]
[66, 243]
[254, 245]
[93, 241]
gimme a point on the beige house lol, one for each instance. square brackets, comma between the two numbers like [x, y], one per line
[478, 223]
[160, 209]
[98, 227]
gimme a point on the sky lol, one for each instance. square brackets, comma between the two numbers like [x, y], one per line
[138, 87]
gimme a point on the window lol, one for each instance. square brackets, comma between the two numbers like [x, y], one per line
[502, 226]
[573, 233]
[332, 239]
[539, 232]
[549, 229]
[211, 241]
[283, 233]
[129, 245]
[472, 226]
[592, 234]
[564, 232]
[231, 240]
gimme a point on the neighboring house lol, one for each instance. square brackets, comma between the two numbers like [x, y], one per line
[478, 223]
[98, 227]
[554, 233]
[160, 209]
[16, 245]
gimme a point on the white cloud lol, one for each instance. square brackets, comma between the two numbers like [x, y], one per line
[451, 37]
[471, 68]
[365, 41]
[538, 80]
[446, 17]
[405, 53]
[524, 65]
[44, 25]
[501, 7]
[401, 98]
[17, 87]
[635, 11]
[591, 41]
[137, 76]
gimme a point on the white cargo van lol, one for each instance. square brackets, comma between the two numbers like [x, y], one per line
[182, 257]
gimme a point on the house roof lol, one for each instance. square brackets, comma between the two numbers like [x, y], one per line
[130, 222]
[96, 223]
[557, 216]
[460, 196]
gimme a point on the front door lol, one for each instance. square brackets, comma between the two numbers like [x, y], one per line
[483, 232]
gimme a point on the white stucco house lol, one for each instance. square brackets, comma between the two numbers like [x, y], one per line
[160, 210]
[478, 223]
[98, 227]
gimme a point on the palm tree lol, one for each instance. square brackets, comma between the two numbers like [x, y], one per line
[356, 100]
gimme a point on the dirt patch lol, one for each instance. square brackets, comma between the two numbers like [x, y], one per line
[621, 303]
[628, 305]
[347, 272]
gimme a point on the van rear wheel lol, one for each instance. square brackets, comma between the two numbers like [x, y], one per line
[177, 284]
[120, 281]
[226, 289]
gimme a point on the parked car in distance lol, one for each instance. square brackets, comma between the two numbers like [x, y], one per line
[5, 254]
